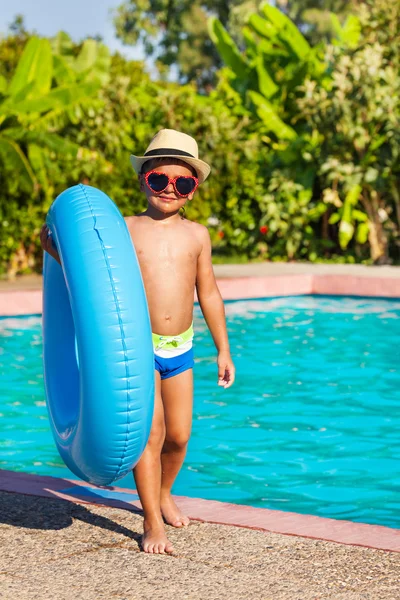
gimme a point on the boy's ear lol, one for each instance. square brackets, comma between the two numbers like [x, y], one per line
[141, 182]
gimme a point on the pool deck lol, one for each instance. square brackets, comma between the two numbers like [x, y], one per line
[66, 539]
[255, 280]
[62, 538]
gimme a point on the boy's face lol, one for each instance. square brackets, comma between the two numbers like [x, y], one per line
[167, 201]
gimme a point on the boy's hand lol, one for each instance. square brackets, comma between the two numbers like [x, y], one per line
[226, 370]
[46, 242]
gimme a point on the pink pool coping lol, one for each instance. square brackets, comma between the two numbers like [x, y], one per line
[211, 511]
[29, 302]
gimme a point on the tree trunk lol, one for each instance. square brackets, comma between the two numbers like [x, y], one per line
[376, 236]
[377, 242]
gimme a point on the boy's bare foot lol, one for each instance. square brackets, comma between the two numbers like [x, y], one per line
[171, 513]
[154, 540]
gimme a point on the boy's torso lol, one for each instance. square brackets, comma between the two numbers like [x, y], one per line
[167, 254]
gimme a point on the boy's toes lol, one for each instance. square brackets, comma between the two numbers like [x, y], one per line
[177, 523]
[156, 542]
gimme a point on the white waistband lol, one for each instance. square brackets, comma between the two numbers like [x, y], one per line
[170, 353]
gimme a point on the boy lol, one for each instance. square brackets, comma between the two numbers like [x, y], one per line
[175, 258]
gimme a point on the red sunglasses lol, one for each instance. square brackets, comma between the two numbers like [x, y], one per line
[183, 186]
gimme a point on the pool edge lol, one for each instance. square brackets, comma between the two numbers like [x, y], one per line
[265, 520]
[16, 302]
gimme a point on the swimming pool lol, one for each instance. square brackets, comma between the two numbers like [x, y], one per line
[311, 425]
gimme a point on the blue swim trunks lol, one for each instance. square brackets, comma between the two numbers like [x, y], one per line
[173, 354]
[169, 367]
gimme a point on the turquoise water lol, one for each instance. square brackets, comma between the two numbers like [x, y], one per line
[311, 425]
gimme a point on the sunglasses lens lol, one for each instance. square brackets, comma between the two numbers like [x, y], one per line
[185, 185]
[157, 182]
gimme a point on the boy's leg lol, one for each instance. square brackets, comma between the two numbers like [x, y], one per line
[177, 397]
[147, 475]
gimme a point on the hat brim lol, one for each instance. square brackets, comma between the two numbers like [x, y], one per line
[202, 169]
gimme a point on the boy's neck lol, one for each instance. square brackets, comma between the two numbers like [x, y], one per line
[157, 215]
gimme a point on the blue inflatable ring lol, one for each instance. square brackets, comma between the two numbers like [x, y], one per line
[98, 353]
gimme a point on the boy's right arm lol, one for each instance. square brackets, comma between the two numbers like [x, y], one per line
[46, 242]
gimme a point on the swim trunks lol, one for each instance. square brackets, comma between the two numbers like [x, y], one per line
[173, 354]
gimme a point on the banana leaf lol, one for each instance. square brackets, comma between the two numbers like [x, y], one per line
[94, 61]
[62, 43]
[35, 65]
[286, 30]
[3, 84]
[271, 120]
[266, 84]
[346, 227]
[63, 72]
[263, 27]
[251, 42]
[227, 48]
[58, 99]
[362, 233]
[43, 139]
[15, 161]
[349, 33]
[37, 160]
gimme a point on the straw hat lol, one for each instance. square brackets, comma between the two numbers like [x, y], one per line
[169, 143]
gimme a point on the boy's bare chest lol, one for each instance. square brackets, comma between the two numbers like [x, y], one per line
[167, 249]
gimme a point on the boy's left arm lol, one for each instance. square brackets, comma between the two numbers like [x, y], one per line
[212, 307]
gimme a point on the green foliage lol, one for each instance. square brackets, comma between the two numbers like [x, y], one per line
[174, 32]
[227, 48]
[345, 96]
[93, 146]
[34, 68]
[304, 141]
[348, 34]
[32, 105]
[277, 59]
[358, 117]
[314, 16]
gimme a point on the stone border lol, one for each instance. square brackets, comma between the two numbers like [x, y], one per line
[29, 302]
[210, 511]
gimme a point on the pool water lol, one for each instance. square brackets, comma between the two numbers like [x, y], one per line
[311, 425]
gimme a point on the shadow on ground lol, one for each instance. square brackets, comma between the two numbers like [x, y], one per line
[34, 512]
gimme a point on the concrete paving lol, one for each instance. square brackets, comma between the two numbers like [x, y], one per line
[271, 269]
[56, 549]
